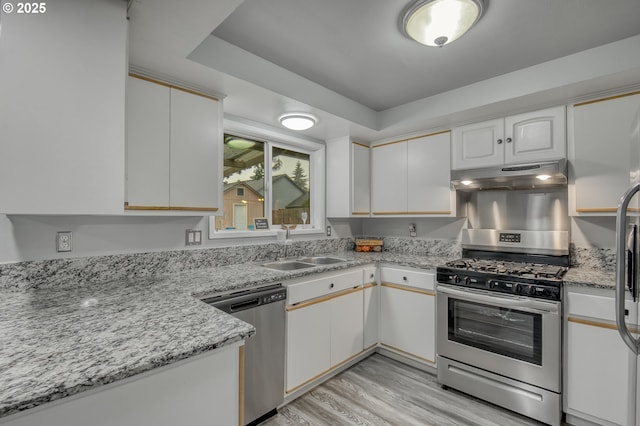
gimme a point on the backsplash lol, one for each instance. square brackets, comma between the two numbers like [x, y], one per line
[593, 258]
[98, 269]
[420, 247]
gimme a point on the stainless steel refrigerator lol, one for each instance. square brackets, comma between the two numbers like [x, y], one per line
[628, 272]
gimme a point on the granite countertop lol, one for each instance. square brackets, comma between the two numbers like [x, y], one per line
[60, 341]
[587, 277]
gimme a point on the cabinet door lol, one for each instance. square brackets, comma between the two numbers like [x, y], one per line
[407, 321]
[148, 143]
[478, 145]
[598, 373]
[429, 174]
[62, 109]
[195, 151]
[361, 179]
[308, 343]
[371, 309]
[389, 178]
[535, 136]
[347, 316]
[601, 150]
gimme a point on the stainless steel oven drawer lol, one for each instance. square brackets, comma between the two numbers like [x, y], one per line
[531, 401]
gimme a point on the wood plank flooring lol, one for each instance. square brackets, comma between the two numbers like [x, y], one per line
[381, 391]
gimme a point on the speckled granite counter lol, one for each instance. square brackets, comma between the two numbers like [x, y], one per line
[62, 340]
[585, 277]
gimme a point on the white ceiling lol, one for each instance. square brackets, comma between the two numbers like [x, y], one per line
[347, 62]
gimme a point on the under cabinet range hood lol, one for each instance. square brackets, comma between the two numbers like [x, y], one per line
[516, 176]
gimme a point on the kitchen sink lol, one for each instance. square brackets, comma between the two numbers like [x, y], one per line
[288, 265]
[321, 260]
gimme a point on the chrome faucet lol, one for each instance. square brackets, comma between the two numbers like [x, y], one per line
[287, 241]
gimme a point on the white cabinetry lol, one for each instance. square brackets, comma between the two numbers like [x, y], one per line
[600, 150]
[173, 148]
[348, 178]
[412, 176]
[599, 369]
[371, 307]
[62, 109]
[523, 138]
[184, 393]
[325, 317]
[407, 312]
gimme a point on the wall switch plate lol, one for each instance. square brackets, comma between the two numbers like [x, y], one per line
[63, 241]
[193, 237]
[328, 230]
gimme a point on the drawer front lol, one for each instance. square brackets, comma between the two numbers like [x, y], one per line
[324, 285]
[596, 307]
[417, 279]
[370, 275]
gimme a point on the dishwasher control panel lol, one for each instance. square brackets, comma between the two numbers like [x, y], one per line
[274, 297]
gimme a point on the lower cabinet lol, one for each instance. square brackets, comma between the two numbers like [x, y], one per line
[326, 329]
[407, 312]
[599, 369]
[196, 391]
[371, 307]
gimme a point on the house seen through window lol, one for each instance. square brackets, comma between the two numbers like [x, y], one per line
[286, 200]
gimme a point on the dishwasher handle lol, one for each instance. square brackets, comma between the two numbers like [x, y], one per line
[232, 303]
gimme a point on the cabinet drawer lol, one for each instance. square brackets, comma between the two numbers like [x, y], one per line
[370, 275]
[322, 286]
[418, 279]
[596, 307]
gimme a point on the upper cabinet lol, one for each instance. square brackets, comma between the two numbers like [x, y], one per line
[348, 178]
[523, 138]
[174, 148]
[412, 177]
[599, 151]
[62, 109]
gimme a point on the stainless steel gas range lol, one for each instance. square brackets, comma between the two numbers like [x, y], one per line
[499, 320]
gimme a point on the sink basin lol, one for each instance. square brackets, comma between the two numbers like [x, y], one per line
[288, 265]
[322, 260]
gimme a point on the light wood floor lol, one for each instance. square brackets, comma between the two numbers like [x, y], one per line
[382, 391]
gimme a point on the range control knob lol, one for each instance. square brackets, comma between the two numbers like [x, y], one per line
[532, 289]
[467, 280]
[518, 288]
[456, 279]
[491, 284]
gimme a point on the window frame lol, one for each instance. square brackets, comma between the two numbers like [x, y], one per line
[273, 138]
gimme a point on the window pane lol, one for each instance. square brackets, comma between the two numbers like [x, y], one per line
[291, 187]
[243, 183]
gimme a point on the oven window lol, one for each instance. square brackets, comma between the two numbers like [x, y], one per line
[508, 332]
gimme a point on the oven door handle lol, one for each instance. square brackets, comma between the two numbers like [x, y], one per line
[501, 301]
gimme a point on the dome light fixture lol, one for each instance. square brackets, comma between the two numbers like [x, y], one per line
[439, 22]
[297, 120]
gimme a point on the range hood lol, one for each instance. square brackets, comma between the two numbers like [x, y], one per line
[517, 176]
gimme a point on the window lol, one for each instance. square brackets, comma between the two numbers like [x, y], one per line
[286, 192]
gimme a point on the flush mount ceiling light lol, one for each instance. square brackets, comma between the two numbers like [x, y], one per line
[297, 120]
[439, 22]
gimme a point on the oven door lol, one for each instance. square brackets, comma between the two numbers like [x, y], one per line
[513, 336]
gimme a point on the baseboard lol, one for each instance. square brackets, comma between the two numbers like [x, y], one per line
[405, 358]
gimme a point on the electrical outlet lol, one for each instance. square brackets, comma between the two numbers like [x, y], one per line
[328, 230]
[412, 230]
[193, 237]
[63, 241]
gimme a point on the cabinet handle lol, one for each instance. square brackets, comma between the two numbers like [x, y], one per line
[499, 141]
[331, 285]
[404, 278]
[508, 140]
[372, 275]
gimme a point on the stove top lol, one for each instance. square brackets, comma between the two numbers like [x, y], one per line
[515, 269]
[536, 280]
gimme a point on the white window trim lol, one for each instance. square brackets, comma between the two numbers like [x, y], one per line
[274, 138]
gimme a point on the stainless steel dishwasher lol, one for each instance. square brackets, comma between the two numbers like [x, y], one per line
[264, 352]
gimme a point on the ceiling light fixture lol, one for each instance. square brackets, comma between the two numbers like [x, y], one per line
[439, 22]
[297, 120]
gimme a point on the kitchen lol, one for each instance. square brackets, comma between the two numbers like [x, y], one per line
[55, 179]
